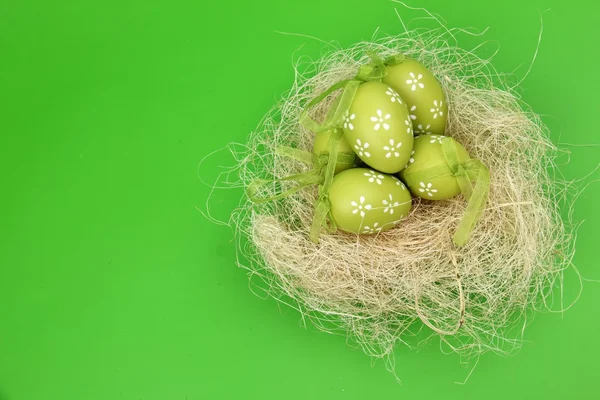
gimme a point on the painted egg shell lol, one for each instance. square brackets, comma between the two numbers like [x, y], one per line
[368, 202]
[320, 146]
[429, 155]
[379, 128]
[422, 94]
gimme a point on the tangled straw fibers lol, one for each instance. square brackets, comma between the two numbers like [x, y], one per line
[411, 283]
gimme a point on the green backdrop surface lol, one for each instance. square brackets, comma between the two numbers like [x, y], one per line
[113, 285]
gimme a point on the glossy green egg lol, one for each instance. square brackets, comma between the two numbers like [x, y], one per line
[364, 201]
[320, 147]
[422, 93]
[379, 128]
[428, 174]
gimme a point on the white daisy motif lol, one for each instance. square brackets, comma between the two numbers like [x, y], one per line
[399, 183]
[374, 177]
[389, 205]
[380, 120]
[427, 188]
[394, 97]
[362, 148]
[412, 115]
[415, 81]
[348, 120]
[437, 109]
[361, 207]
[409, 127]
[375, 229]
[420, 130]
[411, 159]
[436, 138]
[392, 149]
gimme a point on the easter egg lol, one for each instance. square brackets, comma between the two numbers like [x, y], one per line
[364, 201]
[320, 147]
[422, 94]
[428, 174]
[378, 127]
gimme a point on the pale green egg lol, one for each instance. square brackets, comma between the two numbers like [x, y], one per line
[422, 93]
[320, 147]
[428, 174]
[378, 127]
[365, 201]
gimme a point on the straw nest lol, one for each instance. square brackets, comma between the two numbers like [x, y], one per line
[411, 283]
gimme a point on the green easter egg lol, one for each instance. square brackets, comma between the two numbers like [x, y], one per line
[320, 147]
[428, 155]
[379, 128]
[364, 201]
[422, 94]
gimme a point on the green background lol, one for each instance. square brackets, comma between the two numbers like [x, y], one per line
[114, 286]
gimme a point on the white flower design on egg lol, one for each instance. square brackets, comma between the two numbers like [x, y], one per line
[436, 138]
[362, 148]
[411, 159]
[389, 205]
[399, 183]
[394, 97]
[348, 121]
[409, 127]
[412, 110]
[374, 177]
[414, 81]
[392, 149]
[420, 130]
[427, 188]
[380, 120]
[361, 207]
[437, 109]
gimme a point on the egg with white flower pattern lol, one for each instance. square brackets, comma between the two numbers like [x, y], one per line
[364, 201]
[422, 93]
[428, 174]
[379, 128]
[320, 147]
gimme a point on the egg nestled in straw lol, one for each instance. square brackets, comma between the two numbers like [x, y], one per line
[378, 127]
[422, 94]
[429, 174]
[364, 201]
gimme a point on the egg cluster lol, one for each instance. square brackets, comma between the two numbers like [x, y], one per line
[395, 126]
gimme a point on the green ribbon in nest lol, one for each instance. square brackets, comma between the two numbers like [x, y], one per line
[323, 168]
[323, 165]
[335, 118]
